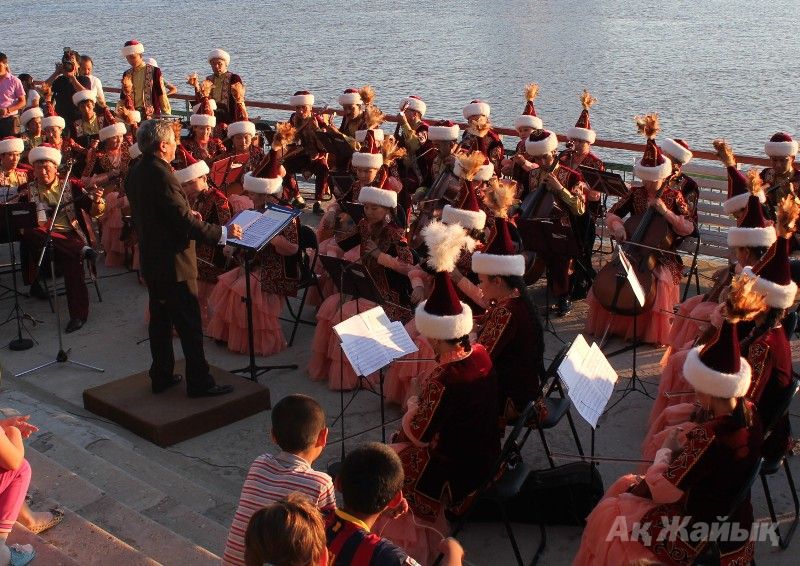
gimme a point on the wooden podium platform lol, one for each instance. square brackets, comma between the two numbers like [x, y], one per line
[171, 417]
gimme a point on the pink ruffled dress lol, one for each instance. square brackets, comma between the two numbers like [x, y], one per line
[112, 225]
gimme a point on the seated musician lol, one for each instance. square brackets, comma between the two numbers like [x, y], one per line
[147, 85]
[568, 190]
[53, 127]
[738, 193]
[680, 154]
[783, 176]
[241, 135]
[479, 135]
[87, 126]
[449, 440]
[582, 137]
[411, 135]
[309, 157]
[691, 482]
[511, 330]
[12, 177]
[69, 231]
[653, 168]
[519, 167]
[106, 169]
[201, 144]
[31, 123]
[212, 207]
[443, 136]
[274, 276]
[354, 103]
[384, 252]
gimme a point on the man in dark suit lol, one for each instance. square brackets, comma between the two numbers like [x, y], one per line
[167, 229]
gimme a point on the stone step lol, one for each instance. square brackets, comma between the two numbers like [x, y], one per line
[46, 553]
[116, 520]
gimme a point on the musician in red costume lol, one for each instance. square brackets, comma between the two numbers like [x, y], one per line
[53, 127]
[738, 193]
[449, 438]
[31, 124]
[201, 143]
[690, 482]
[11, 176]
[680, 154]
[569, 192]
[479, 135]
[224, 90]
[87, 126]
[411, 135]
[653, 169]
[149, 97]
[354, 103]
[519, 166]
[782, 177]
[70, 240]
[308, 156]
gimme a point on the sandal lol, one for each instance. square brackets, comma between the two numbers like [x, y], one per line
[57, 514]
[20, 555]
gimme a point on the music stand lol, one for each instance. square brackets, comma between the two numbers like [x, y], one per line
[342, 183]
[258, 229]
[336, 145]
[16, 217]
[228, 171]
[605, 182]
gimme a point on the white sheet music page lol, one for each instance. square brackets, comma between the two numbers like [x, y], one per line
[371, 341]
[590, 379]
[259, 227]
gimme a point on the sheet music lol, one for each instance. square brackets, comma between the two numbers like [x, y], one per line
[258, 228]
[371, 341]
[633, 281]
[589, 378]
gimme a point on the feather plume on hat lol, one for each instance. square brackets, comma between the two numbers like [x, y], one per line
[284, 135]
[743, 303]
[531, 91]
[392, 151]
[445, 242]
[500, 196]
[238, 90]
[587, 101]
[724, 152]
[648, 125]
[206, 87]
[787, 212]
[367, 94]
[471, 163]
[374, 117]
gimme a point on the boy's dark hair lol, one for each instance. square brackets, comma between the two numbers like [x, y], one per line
[290, 532]
[296, 422]
[3, 58]
[86, 59]
[371, 475]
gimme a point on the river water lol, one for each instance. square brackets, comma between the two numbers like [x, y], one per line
[709, 67]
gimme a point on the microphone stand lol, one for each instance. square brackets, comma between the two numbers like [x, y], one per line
[63, 355]
[19, 343]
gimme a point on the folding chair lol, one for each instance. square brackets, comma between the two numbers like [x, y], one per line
[89, 266]
[686, 245]
[771, 466]
[307, 240]
[505, 483]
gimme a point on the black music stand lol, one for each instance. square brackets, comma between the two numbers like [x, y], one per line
[16, 217]
[342, 183]
[253, 242]
[606, 182]
[335, 144]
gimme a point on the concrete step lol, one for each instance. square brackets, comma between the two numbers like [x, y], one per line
[115, 520]
[46, 553]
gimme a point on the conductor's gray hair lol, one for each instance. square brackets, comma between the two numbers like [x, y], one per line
[151, 133]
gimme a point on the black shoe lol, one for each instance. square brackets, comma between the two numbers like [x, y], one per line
[90, 254]
[564, 306]
[164, 385]
[212, 391]
[318, 209]
[37, 291]
[74, 324]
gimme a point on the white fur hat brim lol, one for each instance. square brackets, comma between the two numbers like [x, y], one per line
[443, 133]
[469, 219]
[780, 149]
[203, 120]
[349, 98]
[132, 49]
[211, 103]
[527, 121]
[777, 296]
[476, 109]
[220, 54]
[82, 95]
[134, 151]
[751, 237]
[13, 144]
[542, 147]
[491, 264]
[367, 160]
[676, 151]
[739, 202]
[192, 172]
[658, 173]
[415, 104]
[135, 116]
[379, 134]
[381, 197]
[484, 173]
[30, 114]
[115, 129]
[50, 121]
[43, 153]
[262, 186]
[243, 127]
[301, 100]
[712, 382]
[584, 134]
[443, 327]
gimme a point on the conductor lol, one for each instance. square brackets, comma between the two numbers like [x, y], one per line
[167, 230]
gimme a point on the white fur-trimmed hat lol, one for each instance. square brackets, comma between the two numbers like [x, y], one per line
[469, 219]
[653, 165]
[30, 114]
[262, 185]
[773, 276]
[752, 231]
[500, 257]
[541, 142]
[220, 54]
[677, 149]
[367, 160]
[82, 95]
[301, 98]
[135, 116]
[528, 121]
[444, 131]
[241, 127]
[115, 129]
[212, 104]
[132, 47]
[485, 173]
[717, 368]
[350, 96]
[44, 152]
[781, 145]
[203, 120]
[193, 171]
[414, 103]
[584, 134]
[475, 108]
[134, 151]
[381, 197]
[51, 121]
[11, 144]
[379, 134]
